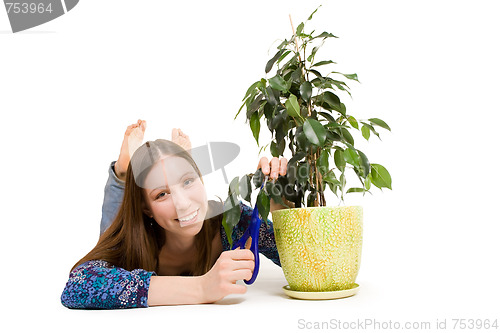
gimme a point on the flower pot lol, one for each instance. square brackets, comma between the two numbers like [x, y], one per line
[319, 247]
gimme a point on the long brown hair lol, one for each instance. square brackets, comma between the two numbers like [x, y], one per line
[134, 239]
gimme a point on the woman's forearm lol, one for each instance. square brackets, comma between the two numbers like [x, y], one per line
[175, 290]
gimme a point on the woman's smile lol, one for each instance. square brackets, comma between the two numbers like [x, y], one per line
[189, 219]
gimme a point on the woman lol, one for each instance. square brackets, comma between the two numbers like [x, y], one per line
[166, 244]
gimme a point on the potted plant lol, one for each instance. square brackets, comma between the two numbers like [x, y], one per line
[319, 246]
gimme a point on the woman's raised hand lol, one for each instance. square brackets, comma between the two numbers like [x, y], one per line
[231, 266]
[276, 167]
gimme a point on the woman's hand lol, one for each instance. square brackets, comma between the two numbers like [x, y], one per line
[277, 167]
[231, 266]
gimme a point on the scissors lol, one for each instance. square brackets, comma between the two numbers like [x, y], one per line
[252, 232]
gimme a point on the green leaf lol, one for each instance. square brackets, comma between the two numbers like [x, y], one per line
[278, 119]
[312, 199]
[380, 176]
[339, 159]
[291, 176]
[352, 76]
[280, 147]
[250, 90]
[315, 132]
[234, 187]
[245, 188]
[306, 91]
[274, 149]
[323, 164]
[347, 136]
[343, 109]
[283, 44]
[300, 28]
[328, 117]
[364, 163]
[254, 105]
[283, 56]
[311, 16]
[263, 205]
[368, 182]
[333, 100]
[231, 217]
[379, 122]
[355, 189]
[272, 96]
[302, 141]
[331, 179]
[351, 157]
[349, 145]
[342, 180]
[278, 83]
[258, 178]
[339, 84]
[295, 76]
[262, 148]
[303, 173]
[315, 72]
[274, 191]
[365, 131]
[333, 125]
[370, 127]
[325, 62]
[332, 134]
[292, 106]
[297, 157]
[325, 35]
[241, 107]
[271, 62]
[255, 126]
[353, 122]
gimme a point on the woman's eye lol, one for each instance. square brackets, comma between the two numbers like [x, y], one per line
[161, 195]
[188, 182]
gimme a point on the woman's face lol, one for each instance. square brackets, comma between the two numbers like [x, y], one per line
[176, 197]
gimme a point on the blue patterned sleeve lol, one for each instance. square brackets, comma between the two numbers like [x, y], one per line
[267, 243]
[96, 284]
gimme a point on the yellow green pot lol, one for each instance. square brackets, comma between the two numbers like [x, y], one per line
[319, 247]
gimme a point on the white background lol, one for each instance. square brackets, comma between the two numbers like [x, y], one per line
[430, 69]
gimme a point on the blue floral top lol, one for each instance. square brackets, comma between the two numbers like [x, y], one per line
[97, 284]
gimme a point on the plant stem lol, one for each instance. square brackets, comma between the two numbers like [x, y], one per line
[296, 40]
[322, 201]
[302, 66]
[310, 158]
[317, 172]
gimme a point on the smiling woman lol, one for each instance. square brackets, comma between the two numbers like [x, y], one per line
[165, 244]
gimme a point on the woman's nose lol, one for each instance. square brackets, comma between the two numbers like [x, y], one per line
[181, 201]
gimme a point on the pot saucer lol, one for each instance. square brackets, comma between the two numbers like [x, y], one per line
[311, 295]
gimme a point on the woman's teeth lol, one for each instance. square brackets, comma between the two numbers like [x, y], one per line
[188, 219]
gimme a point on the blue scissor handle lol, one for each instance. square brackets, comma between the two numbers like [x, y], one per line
[252, 231]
